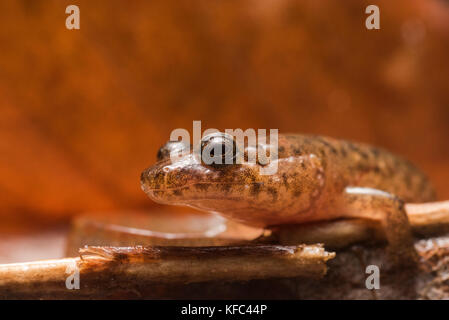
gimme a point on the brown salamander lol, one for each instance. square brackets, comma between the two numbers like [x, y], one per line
[318, 179]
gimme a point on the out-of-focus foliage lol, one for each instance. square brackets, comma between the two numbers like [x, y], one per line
[83, 112]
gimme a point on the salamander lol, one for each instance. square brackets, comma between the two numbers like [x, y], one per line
[318, 179]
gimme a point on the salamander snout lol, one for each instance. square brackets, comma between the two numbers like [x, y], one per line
[168, 180]
[164, 176]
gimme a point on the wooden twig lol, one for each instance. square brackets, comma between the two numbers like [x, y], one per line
[106, 270]
[429, 218]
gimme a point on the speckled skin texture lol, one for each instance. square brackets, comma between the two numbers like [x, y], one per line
[318, 179]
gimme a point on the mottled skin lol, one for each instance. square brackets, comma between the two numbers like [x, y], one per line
[318, 179]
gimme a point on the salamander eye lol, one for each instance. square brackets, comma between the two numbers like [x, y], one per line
[172, 146]
[218, 149]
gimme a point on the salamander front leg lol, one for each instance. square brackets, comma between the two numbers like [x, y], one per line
[373, 204]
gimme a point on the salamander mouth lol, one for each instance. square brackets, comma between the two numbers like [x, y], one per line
[186, 186]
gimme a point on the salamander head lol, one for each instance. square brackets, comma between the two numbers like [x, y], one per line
[235, 190]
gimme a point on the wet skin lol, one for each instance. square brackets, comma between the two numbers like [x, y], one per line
[318, 179]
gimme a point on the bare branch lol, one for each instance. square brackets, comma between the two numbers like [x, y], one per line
[110, 269]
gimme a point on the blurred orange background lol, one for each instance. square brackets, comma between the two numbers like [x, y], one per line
[83, 112]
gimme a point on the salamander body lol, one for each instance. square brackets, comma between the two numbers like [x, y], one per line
[318, 178]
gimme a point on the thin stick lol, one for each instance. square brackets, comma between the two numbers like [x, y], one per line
[108, 269]
[429, 218]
